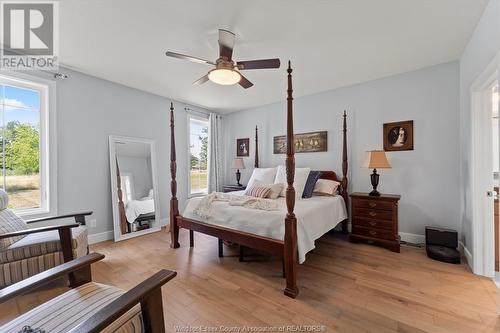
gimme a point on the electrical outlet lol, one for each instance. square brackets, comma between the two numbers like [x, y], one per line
[93, 223]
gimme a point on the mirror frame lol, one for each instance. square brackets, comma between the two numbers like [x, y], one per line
[118, 236]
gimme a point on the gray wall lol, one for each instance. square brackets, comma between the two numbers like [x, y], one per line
[427, 178]
[88, 111]
[483, 46]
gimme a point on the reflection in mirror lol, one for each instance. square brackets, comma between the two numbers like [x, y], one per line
[134, 189]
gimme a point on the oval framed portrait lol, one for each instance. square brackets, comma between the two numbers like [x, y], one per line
[398, 136]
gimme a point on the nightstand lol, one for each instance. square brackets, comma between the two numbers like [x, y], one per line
[232, 188]
[375, 219]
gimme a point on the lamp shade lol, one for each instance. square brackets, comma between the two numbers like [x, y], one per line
[238, 163]
[376, 159]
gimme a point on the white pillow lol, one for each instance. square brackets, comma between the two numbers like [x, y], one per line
[301, 175]
[264, 175]
[326, 187]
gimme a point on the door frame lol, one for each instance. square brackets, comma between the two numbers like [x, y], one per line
[483, 255]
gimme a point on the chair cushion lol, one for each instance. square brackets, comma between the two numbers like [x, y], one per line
[65, 312]
[10, 222]
[42, 243]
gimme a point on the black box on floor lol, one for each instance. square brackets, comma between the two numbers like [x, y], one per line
[441, 244]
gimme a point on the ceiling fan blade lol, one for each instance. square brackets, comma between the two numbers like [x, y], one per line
[258, 64]
[201, 80]
[245, 83]
[189, 58]
[226, 43]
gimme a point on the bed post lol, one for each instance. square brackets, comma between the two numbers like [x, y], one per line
[174, 204]
[345, 192]
[256, 148]
[290, 241]
[121, 206]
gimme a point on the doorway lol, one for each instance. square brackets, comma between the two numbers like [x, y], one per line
[485, 161]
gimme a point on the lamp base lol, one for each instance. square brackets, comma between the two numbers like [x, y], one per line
[238, 177]
[374, 177]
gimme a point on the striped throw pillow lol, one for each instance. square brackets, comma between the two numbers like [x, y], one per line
[259, 191]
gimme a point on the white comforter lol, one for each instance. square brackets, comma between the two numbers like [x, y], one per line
[315, 217]
[135, 208]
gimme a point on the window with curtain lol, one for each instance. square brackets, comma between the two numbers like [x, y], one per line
[198, 154]
[23, 148]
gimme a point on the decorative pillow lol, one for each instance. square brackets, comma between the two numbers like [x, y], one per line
[326, 187]
[299, 183]
[311, 182]
[275, 189]
[264, 175]
[259, 191]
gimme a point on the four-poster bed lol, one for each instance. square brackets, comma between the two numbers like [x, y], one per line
[287, 247]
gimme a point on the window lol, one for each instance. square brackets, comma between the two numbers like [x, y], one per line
[24, 144]
[198, 155]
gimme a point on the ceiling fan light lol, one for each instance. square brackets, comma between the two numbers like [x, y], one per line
[224, 76]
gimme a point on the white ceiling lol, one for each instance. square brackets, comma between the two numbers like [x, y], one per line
[332, 43]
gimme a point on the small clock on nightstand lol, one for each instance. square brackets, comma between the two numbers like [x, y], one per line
[375, 219]
[233, 188]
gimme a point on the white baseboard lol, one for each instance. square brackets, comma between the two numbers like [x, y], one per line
[412, 238]
[101, 237]
[466, 253]
[108, 235]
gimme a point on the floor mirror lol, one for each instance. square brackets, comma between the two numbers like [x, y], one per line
[134, 186]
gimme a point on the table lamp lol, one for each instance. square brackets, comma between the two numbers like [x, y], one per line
[376, 159]
[238, 164]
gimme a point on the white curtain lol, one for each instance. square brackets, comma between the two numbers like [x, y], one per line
[215, 157]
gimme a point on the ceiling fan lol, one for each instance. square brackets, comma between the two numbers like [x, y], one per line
[226, 72]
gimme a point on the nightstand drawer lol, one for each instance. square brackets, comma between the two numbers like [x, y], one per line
[373, 213]
[377, 224]
[373, 204]
[374, 233]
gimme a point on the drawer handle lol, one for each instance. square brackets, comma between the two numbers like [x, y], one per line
[373, 233]
[373, 223]
[372, 204]
[372, 214]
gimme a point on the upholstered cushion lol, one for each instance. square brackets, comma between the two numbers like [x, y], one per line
[10, 222]
[311, 182]
[264, 175]
[41, 243]
[33, 255]
[65, 312]
[326, 187]
[299, 182]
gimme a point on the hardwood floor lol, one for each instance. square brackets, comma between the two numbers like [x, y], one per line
[346, 287]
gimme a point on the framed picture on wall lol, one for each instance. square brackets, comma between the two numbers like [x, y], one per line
[242, 147]
[398, 136]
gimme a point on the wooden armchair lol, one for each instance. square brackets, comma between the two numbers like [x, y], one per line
[26, 251]
[91, 307]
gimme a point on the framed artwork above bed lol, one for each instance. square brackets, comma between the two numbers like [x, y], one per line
[311, 142]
